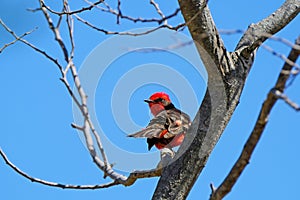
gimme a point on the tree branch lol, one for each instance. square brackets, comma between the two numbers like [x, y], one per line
[285, 98]
[16, 39]
[158, 10]
[54, 60]
[227, 73]
[283, 57]
[68, 12]
[126, 182]
[107, 32]
[256, 33]
[119, 14]
[243, 160]
[55, 30]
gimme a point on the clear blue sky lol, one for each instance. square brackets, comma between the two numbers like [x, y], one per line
[37, 111]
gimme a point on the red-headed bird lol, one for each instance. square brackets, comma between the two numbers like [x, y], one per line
[167, 128]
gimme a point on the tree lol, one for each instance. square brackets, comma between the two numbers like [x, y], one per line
[227, 73]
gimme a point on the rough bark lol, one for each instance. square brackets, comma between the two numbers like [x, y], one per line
[227, 74]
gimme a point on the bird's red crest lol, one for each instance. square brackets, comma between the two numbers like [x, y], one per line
[160, 95]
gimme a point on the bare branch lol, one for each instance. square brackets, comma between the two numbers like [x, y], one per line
[77, 126]
[269, 36]
[87, 120]
[285, 98]
[33, 9]
[70, 23]
[55, 61]
[259, 127]
[180, 44]
[68, 12]
[294, 46]
[156, 6]
[256, 33]
[55, 31]
[284, 41]
[16, 40]
[127, 33]
[119, 14]
[141, 174]
[281, 56]
[127, 182]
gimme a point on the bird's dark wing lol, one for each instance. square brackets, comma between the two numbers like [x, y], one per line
[172, 120]
[155, 127]
[179, 122]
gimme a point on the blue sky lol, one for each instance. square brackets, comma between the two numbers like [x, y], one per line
[37, 110]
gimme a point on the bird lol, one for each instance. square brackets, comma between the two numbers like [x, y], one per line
[168, 126]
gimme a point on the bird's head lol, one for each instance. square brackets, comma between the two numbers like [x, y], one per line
[158, 101]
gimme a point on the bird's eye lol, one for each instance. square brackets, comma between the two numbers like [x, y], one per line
[159, 100]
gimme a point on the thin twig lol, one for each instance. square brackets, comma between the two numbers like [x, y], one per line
[269, 49]
[281, 56]
[55, 31]
[70, 23]
[119, 12]
[55, 61]
[167, 48]
[269, 36]
[16, 39]
[92, 5]
[60, 17]
[158, 10]
[110, 10]
[107, 32]
[285, 98]
[77, 126]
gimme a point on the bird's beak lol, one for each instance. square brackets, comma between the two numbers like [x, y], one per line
[149, 101]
